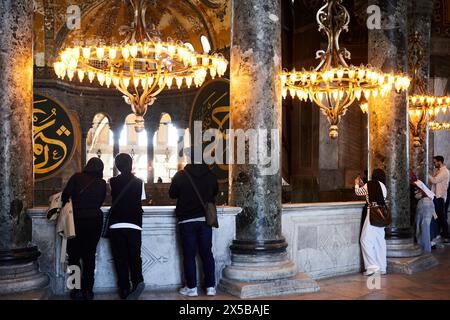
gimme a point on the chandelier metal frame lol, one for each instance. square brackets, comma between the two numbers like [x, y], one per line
[334, 85]
[141, 66]
[423, 107]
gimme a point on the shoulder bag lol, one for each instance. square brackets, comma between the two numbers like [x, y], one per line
[379, 214]
[209, 207]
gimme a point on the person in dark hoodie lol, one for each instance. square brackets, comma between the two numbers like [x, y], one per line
[125, 224]
[87, 191]
[194, 231]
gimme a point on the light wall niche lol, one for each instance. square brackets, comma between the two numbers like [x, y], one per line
[135, 144]
[99, 143]
[165, 159]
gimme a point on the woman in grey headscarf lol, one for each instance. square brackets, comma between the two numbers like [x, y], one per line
[87, 190]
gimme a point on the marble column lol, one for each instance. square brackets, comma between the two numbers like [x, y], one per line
[150, 155]
[389, 134]
[84, 134]
[259, 257]
[420, 12]
[116, 129]
[18, 258]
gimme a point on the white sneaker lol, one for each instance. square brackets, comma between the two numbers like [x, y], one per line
[185, 291]
[370, 272]
[211, 291]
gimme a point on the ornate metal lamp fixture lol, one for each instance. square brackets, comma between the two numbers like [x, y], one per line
[423, 107]
[334, 85]
[437, 126]
[141, 66]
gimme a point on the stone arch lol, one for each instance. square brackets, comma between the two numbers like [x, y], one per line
[135, 144]
[100, 142]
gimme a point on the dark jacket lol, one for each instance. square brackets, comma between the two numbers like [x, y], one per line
[85, 203]
[188, 204]
[129, 207]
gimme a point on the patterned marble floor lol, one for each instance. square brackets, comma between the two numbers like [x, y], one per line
[433, 284]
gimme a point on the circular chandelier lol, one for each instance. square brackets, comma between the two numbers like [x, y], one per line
[334, 85]
[437, 126]
[141, 66]
[423, 109]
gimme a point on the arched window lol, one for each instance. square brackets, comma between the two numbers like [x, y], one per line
[99, 143]
[165, 142]
[135, 144]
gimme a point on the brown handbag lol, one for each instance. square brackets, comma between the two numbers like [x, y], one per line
[209, 207]
[380, 216]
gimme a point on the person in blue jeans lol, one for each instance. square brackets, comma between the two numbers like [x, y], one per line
[194, 231]
[424, 216]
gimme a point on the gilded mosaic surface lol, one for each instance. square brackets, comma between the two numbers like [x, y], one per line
[101, 20]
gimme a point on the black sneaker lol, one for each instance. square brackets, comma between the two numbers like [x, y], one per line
[124, 293]
[76, 294]
[433, 247]
[88, 295]
[137, 291]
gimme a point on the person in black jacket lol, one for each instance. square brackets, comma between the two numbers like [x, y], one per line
[125, 224]
[87, 191]
[192, 224]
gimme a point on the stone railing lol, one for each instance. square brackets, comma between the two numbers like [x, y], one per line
[161, 254]
[323, 242]
[323, 238]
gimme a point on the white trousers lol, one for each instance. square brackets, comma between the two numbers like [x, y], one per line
[373, 246]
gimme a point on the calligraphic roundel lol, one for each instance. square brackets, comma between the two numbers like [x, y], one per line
[54, 137]
[212, 107]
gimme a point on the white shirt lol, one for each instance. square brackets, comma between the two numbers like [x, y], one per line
[440, 182]
[363, 191]
[130, 225]
[193, 220]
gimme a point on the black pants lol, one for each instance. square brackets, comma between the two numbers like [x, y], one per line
[126, 250]
[193, 235]
[439, 205]
[83, 247]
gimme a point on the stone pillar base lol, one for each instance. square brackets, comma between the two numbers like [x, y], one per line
[254, 276]
[411, 265]
[301, 283]
[19, 272]
[402, 248]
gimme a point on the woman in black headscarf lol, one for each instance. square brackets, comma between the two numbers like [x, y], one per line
[373, 244]
[87, 190]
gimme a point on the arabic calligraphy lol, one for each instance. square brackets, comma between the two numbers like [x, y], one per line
[212, 107]
[54, 138]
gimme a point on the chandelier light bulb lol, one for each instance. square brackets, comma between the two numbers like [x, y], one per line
[80, 74]
[112, 53]
[125, 53]
[179, 82]
[86, 52]
[100, 53]
[101, 78]
[70, 74]
[189, 81]
[108, 80]
[91, 76]
[136, 82]
[340, 73]
[169, 81]
[133, 51]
